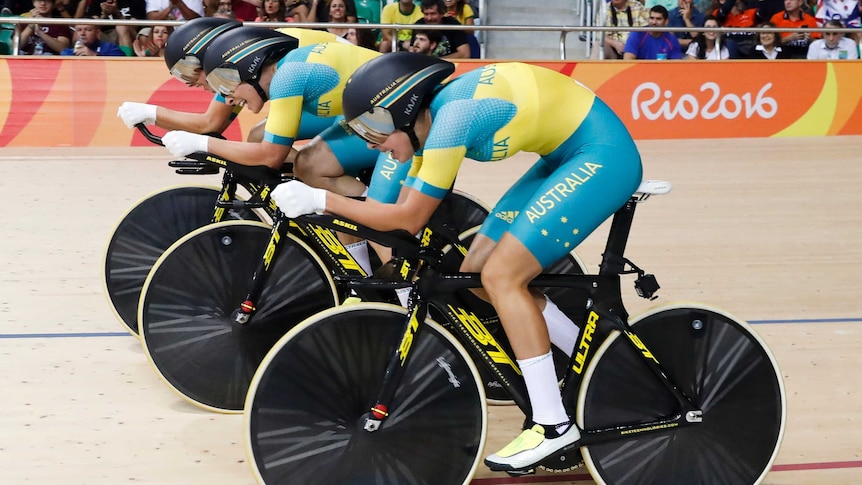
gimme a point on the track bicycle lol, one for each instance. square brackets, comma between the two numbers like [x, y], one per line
[379, 394]
[158, 220]
[218, 298]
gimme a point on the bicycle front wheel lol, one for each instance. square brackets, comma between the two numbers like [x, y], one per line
[145, 232]
[727, 371]
[187, 305]
[306, 405]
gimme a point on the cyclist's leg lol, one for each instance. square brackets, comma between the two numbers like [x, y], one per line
[719, 363]
[333, 159]
[308, 401]
[558, 203]
[187, 306]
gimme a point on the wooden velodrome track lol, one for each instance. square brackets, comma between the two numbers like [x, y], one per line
[767, 229]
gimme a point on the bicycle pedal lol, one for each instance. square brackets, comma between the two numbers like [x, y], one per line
[521, 473]
[564, 460]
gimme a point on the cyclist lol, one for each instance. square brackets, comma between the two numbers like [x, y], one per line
[248, 66]
[588, 168]
[184, 56]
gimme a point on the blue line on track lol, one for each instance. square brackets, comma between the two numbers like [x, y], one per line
[126, 334]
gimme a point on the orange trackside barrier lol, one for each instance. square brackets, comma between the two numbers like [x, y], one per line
[53, 102]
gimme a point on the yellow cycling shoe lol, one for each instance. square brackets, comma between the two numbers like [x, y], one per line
[531, 447]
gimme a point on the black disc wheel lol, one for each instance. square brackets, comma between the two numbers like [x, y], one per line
[721, 365]
[145, 232]
[305, 414]
[187, 308]
[459, 211]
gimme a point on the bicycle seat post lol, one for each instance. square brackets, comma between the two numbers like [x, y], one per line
[613, 261]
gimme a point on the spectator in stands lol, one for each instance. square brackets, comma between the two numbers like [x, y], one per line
[833, 45]
[122, 35]
[243, 10]
[321, 9]
[453, 43]
[736, 14]
[768, 46]
[708, 45]
[91, 43]
[272, 11]
[621, 13]
[400, 12]
[67, 8]
[174, 9]
[301, 10]
[38, 39]
[795, 43]
[653, 44]
[362, 38]
[11, 8]
[847, 11]
[224, 13]
[460, 11]
[425, 41]
[338, 14]
[150, 41]
[685, 15]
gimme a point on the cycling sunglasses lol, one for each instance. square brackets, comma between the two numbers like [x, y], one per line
[373, 126]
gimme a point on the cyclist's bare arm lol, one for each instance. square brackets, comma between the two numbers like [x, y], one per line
[272, 155]
[214, 120]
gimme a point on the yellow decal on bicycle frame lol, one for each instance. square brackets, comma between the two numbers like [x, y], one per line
[330, 240]
[407, 341]
[586, 340]
[474, 325]
[641, 346]
[426, 237]
[270, 249]
[219, 212]
[404, 271]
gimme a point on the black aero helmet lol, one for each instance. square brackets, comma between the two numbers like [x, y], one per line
[386, 94]
[240, 55]
[184, 52]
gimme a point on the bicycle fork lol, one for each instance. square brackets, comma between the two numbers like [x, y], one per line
[416, 314]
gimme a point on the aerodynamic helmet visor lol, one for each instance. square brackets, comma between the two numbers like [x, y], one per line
[373, 126]
[224, 80]
[187, 69]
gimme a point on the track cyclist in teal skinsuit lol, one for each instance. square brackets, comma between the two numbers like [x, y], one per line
[588, 168]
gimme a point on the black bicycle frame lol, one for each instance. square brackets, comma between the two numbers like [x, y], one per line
[605, 313]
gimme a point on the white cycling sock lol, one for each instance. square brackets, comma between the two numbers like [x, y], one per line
[562, 330]
[359, 251]
[543, 389]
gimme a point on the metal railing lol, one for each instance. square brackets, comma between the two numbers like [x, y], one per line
[589, 31]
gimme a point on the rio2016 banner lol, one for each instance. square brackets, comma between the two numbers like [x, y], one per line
[57, 102]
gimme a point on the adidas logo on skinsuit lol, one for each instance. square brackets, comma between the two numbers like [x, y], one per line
[508, 216]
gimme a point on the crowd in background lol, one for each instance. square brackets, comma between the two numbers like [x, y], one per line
[739, 15]
[79, 38]
[82, 39]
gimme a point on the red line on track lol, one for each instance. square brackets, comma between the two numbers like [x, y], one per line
[790, 467]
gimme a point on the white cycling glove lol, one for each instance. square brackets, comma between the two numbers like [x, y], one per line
[182, 143]
[134, 113]
[294, 198]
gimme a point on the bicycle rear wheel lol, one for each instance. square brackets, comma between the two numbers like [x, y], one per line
[186, 308]
[716, 360]
[306, 405]
[145, 232]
